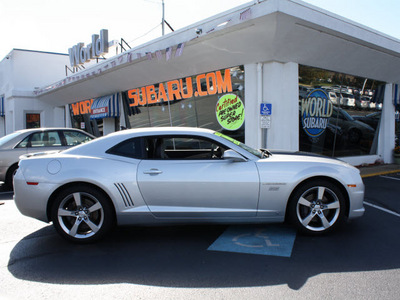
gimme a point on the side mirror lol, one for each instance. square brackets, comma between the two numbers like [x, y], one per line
[233, 156]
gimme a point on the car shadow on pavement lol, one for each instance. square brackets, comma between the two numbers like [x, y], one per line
[178, 257]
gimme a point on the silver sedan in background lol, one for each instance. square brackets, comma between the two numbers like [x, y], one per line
[183, 175]
[21, 142]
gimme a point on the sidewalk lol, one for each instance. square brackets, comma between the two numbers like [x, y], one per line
[376, 170]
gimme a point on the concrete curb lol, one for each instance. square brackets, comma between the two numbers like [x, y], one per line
[380, 173]
[378, 170]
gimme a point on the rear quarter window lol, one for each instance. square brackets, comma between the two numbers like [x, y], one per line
[132, 148]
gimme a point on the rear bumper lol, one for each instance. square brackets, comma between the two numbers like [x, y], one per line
[31, 200]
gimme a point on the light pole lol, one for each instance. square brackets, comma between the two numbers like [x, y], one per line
[163, 18]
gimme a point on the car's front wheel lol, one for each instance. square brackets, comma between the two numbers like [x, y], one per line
[317, 207]
[82, 214]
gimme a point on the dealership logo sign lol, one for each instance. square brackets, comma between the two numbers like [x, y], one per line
[82, 107]
[316, 110]
[79, 54]
[202, 85]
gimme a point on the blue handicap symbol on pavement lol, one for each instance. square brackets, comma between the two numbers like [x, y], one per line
[274, 240]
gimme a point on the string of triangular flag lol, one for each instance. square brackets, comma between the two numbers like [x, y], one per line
[133, 56]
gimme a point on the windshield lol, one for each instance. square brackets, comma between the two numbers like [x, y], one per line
[8, 137]
[255, 152]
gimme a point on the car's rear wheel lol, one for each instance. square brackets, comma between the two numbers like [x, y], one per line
[317, 207]
[82, 214]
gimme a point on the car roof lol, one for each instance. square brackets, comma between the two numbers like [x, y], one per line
[163, 130]
[47, 128]
[101, 144]
[26, 132]
[23, 133]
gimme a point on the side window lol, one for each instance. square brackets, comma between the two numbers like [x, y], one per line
[36, 140]
[185, 148]
[23, 143]
[54, 139]
[74, 138]
[130, 148]
[45, 139]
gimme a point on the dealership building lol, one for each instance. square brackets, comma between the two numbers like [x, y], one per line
[277, 74]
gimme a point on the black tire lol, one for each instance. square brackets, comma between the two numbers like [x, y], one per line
[317, 207]
[10, 176]
[82, 214]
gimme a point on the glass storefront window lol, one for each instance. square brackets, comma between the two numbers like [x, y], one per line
[159, 115]
[183, 113]
[140, 117]
[191, 102]
[337, 114]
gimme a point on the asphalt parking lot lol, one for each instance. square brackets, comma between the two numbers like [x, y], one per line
[360, 261]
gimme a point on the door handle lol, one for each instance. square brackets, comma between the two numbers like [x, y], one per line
[152, 172]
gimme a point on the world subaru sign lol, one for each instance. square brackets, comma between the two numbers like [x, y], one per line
[79, 54]
[316, 110]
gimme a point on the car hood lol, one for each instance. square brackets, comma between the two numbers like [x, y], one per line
[298, 153]
[305, 157]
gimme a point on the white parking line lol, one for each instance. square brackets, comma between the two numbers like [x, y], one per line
[382, 209]
[388, 177]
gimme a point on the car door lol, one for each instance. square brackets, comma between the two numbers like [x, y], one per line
[187, 178]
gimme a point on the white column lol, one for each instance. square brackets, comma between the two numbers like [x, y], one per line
[252, 104]
[58, 117]
[108, 125]
[278, 84]
[387, 127]
[67, 116]
[281, 89]
[2, 126]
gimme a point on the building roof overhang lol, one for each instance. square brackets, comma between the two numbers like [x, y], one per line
[274, 30]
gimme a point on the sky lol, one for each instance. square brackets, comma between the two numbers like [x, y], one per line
[56, 25]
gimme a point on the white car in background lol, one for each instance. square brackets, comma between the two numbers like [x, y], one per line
[21, 142]
[333, 97]
[375, 106]
[346, 99]
[183, 175]
[363, 102]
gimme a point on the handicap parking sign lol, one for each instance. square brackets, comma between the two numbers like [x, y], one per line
[265, 109]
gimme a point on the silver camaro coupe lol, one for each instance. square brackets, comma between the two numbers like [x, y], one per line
[183, 175]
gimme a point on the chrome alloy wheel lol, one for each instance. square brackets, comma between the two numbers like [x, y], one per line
[80, 215]
[318, 208]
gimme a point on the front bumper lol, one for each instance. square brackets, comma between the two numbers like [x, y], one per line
[356, 195]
